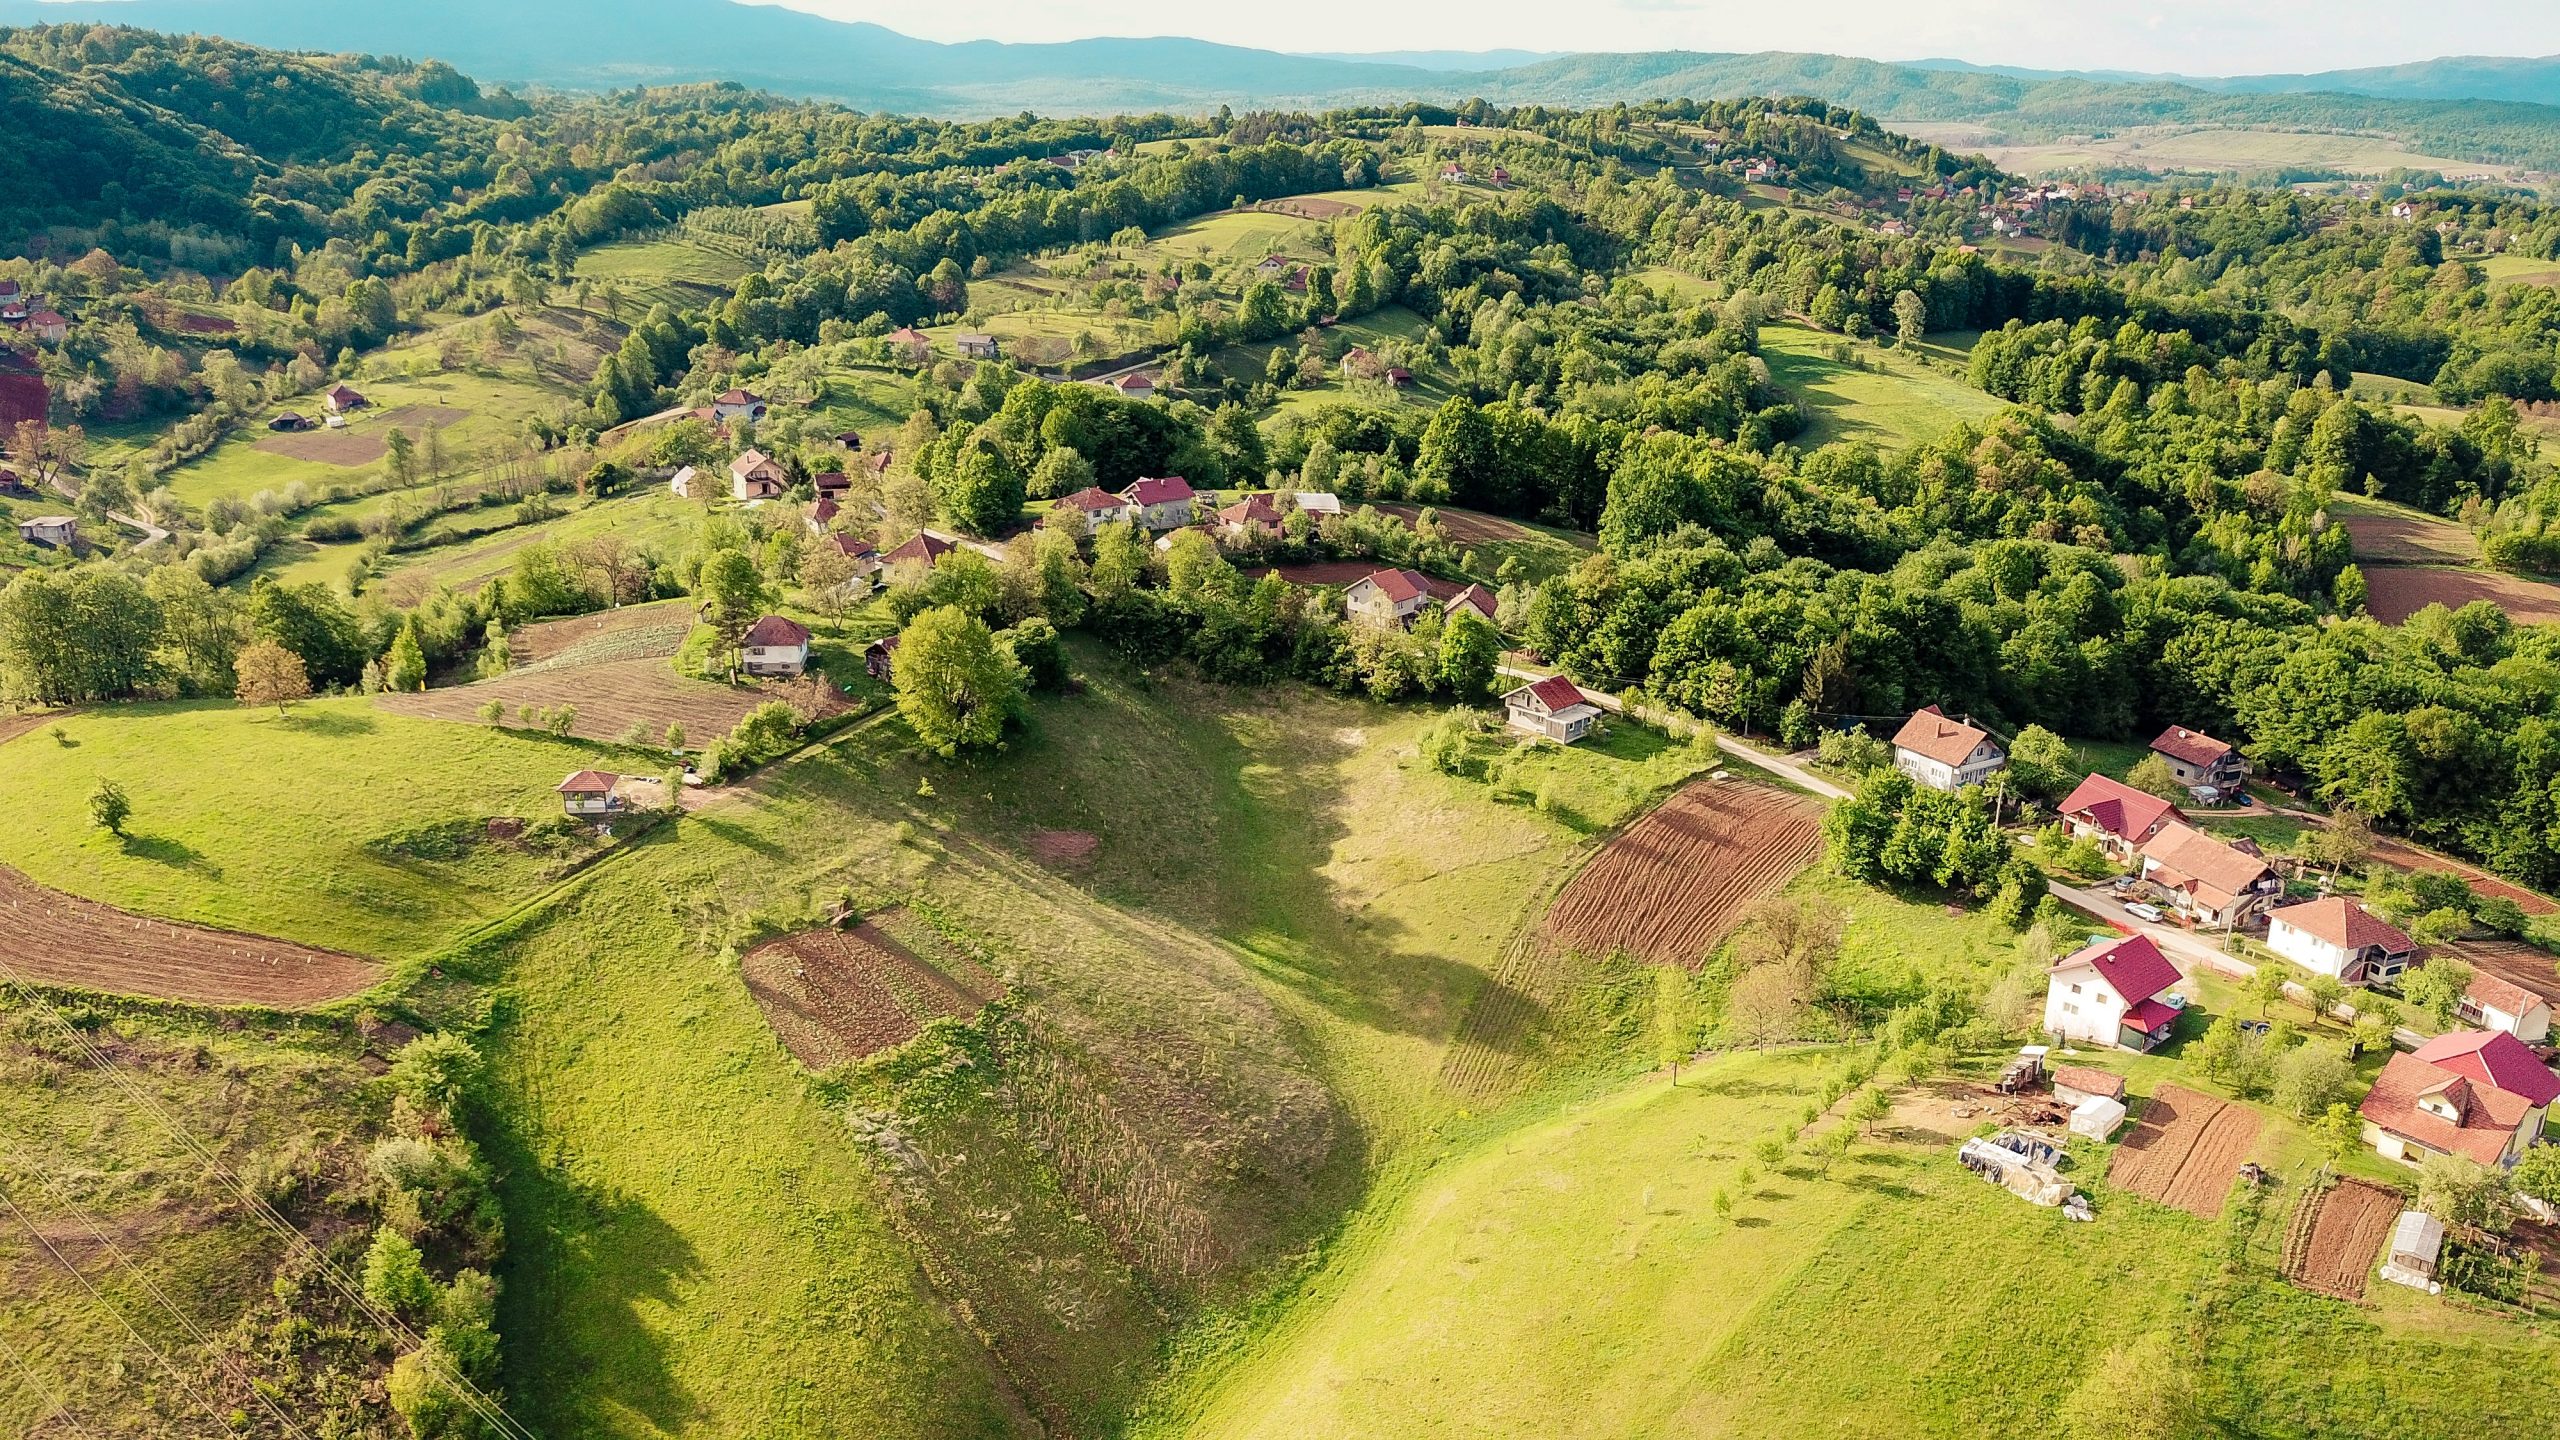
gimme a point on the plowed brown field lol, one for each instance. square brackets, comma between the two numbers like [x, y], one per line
[837, 995]
[2395, 592]
[630, 633]
[2186, 1151]
[2513, 961]
[2342, 1238]
[610, 697]
[49, 938]
[1669, 886]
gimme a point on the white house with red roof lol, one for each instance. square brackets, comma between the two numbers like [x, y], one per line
[738, 405]
[1253, 512]
[1136, 385]
[1477, 599]
[2341, 939]
[1163, 503]
[1551, 709]
[1099, 506]
[775, 645]
[2112, 992]
[1944, 753]
[1388, 597]
[2479, 1094]
[757, 476]
[2120, 818]
[342, 398]
[2201, 762]
[2494, 1002]
[2210, 882]
[589, 795]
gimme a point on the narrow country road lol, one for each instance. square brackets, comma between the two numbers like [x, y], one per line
[151, 534]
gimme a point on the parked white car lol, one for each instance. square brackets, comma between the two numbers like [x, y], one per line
[2140, 911]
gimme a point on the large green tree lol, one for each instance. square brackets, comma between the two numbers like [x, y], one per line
[957, 686]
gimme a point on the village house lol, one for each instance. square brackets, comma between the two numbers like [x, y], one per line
[2112, 992]
[1253, 512]
[756, 476]
[685, 482]
[849, 439]
[2479, 1094]
[2118, 817]
[834, 485]
[880, 658]
[589, 795]
[2210, 882]
[926, 548]
[1099, 506]
[1474, 598]
[2493, 1002]
[58, 531]
[1137, 385]
[1386, 598]
[1270, 267]
[775, 646]
[1946, 754]
[738, 405]
[1162, 504]
[822, 514]
[342, 398]
[911, 342]
[864, 555]
[1551, 709]
[976, 347]
[2201, 762]
[2341, 939]
[49, 327]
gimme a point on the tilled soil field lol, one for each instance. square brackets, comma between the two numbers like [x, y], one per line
[49, 938]
[2512, 961]
[610, 697]
[2332, 1246]
[633, 632]
[2186, 1151]
[1670, 885]
[1466, 527]
[2395, 592]
[834, 996]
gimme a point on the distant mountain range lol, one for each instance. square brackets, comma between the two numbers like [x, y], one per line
[2463, 107]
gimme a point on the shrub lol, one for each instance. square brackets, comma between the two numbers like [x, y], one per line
[395, 1275]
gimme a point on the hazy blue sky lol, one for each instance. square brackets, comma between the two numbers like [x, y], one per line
[2195, 36]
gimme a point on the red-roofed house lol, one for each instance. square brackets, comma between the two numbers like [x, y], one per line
[1552, 709]
[1475, 598]
[1253, 512]
[2199, 761]
[775, 646]
[1137, 385]
[1389, 597]
[2120, 818]
[2475, 1093]
[2339, 938]
[2210, 882]
[2112, 992]
[343, 398]
[1100, 506]
[738, 405]
[865, 557]
[49, 326]
[756, 476]
[2494, 1002]
[910, 342]
[1946, 754]
[589, 795]
[1163, 504]
[925, 549]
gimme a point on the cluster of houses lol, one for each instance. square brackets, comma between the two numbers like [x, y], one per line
[29, 315]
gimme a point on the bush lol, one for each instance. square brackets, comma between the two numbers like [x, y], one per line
[2310, 1079]
[395, 1275]
[1853, 751]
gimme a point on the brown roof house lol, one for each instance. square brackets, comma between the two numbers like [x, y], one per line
[343, 398]
[1551, 709]
[1099, 506]
[2211, 883]
[775, 646]
[926, 549]
[1944, 753]
[2493, 1002]
[589, 795]
[2479, 1094]
[1387, 598]
[880, 658]
[738, 405]
[1475, 598]
[2201, 762]
[2341, 939]
[1253, 512]
[756, 476]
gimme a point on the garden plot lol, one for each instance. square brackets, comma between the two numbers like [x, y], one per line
[2186, 1151]
[2335, 1236]
[49, 938]
[1668, 888]
[634, 632]
[834, 996]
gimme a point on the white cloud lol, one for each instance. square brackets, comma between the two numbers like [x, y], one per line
[2194, 36]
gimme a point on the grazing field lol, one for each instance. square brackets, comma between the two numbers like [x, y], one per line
[1668, 888]
[834, 995]
[55, 939]
[2186, 1152]
[651, 519]
[2202, 149]
[2397, 535]
[2393, 593]
[2336, 1237]
[1899, 402]
[610, 696]
[632, 632]
[675, 272]
[2520, 270]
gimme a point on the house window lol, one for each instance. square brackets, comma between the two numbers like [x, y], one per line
[2075, 989]
[2068, 1008]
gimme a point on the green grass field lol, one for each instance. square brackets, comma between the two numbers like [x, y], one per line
[1901, 402]
[2520, 270]
[677, 271]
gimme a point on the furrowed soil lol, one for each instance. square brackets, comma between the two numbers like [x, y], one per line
[2334, 1248]
[1668, 888]
[2186, 1151]
[834, 996]
[633, 632]
[2395, 592]
[2514, 962]
[51, 938]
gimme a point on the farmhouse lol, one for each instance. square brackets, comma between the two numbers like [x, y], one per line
[343, 398]
[1271, 265]
[756, 476]
[880, 657]
[738, 405]
[2111, 992]
[910, 342]
[849, 439]
[49, 326]
[589, 795]
[2118, 817]
[865, 557]
[2479, 1094]
[1254, 512]
[1552, 709]
[289, 423]
[685, 482]
[1137, 385]
[834, 484]
[2339, 938]
[1100, 506]
[2201, 762]
[2495, 1003]
[975, 347]
[1945, 754]
[2210, 882]
[1475, 598]
[775, 646]
[1389, 597]
[58, 531]
[1161, 504]
[927, 548]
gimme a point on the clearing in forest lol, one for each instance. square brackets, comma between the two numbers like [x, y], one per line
[2397, 535]
[2393, 593]
[49, 938]
[2186, 1151]
[834, 996]
[2335, 1235]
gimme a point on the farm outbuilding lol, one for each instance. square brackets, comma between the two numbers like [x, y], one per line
[589, 794]
[2416, 1241]
[2096, 1117]
[2075, 1083]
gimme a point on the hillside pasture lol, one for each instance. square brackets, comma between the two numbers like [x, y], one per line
[2388, 534]
[674, 271]
[1887, 398]
[2520, 270]
[612, 697]
[2393, 593]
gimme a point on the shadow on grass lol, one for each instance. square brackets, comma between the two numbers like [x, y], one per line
[174, 853]
[731, 832]
[332, 723]
[584, 1262]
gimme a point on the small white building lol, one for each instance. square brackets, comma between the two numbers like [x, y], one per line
[2493, 1002]
[2341, 939]
[589, 795]
[756, 476]
[58, 531]
[2112, 992]
[1551, 709]
[1946, 754]
[738, 405]
[686, 483]
[775, 646]
[2417, 1239]
[1319, 503]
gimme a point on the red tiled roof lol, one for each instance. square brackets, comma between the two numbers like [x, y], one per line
[1158, 491]
[1252, 510]
[590, 782]
[2117, 808]
[1556, 693]
[1133, 382]
[1930, 733]
[2493, 1058]
[2132, 966]
[927, 548]
[2196, 861]
[775, 630]
[751, 463]
[1401, 585]
[2496, 992]
[825, 510]
[2345, 924]
[851, 547]
[2489, 1115]
[2149, 1015]
[1093, 499]
[1476, 598]
[907, 335]
[740, 397]
[2191, 746]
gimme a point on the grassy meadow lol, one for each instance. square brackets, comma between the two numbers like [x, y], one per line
[1895, 403]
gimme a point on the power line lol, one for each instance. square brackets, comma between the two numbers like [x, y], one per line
[470, 1394]
[61, 1406]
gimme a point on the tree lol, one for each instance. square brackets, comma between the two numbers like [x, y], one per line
[314, 625]
[1675, 1022]
[2325, 994]
[405, 667]
[395, 1275]
[2436, 989]
[2041, 760]
[2538, 1173]
[2311, 1078]
[983, 490]
[956, 686]
[2337, 1131]
[2464, 1192]
[733, 596]
[1910, 319]
[1872, 1106]
[270, 674]
[828, 576]
[2347, 593]
[2151, 774]
[1470, 653]
[109, 808]
[2264, 987]
[1766, 1004]
[68, 638]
